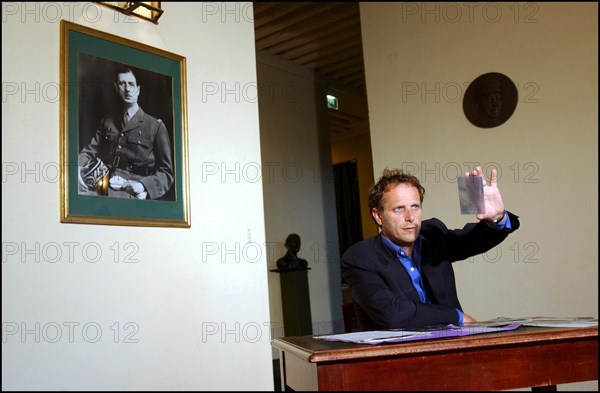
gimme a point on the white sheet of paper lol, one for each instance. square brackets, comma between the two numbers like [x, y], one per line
[558, 322]
[371, 336]
[394, 336]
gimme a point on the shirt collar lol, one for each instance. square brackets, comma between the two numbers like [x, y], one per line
[132, 111]
[398, 251]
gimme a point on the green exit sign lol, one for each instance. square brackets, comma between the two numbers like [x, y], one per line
[332, 102]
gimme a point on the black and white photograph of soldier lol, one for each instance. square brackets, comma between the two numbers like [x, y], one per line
[125, 134]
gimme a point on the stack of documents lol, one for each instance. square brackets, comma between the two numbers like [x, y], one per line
[392, 336]
[489, 326]
[559, 322]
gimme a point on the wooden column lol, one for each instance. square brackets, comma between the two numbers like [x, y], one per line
[295, 299]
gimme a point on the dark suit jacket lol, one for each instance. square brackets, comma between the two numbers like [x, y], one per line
[382, 291]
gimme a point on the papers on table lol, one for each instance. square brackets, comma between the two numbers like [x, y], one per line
[558, 322]
[489, 326]
[391, 336]
[373, 337]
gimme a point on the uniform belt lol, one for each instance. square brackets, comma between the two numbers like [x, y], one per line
[135, 169]
[139, 170]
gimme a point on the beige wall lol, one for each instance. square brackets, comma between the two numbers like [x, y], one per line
[419, 59]
[299, 196]
[199, 317]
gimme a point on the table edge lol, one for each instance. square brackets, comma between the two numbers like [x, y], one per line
[484, 340]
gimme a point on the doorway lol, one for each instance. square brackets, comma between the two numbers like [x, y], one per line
[347, 198]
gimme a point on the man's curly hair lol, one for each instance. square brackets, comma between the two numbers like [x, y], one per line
[392, 177]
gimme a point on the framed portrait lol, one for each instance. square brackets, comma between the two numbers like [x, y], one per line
[123, 132]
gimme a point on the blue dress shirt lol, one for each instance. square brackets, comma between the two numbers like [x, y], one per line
[412, 267]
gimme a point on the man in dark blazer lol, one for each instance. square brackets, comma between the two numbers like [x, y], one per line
[130, 149]
[403, 277]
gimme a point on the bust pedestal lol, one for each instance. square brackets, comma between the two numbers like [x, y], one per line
[295, 300]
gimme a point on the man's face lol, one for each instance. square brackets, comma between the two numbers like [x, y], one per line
[400, 219]
[127, 87]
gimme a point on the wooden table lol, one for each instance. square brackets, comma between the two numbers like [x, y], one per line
[539, 358]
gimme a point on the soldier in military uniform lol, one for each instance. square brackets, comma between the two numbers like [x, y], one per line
[130, 154]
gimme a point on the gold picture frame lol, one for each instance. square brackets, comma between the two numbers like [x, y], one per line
[113, 171]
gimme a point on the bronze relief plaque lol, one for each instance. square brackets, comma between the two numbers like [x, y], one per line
[490, 100]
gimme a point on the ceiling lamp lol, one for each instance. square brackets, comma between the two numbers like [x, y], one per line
[148, 10]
